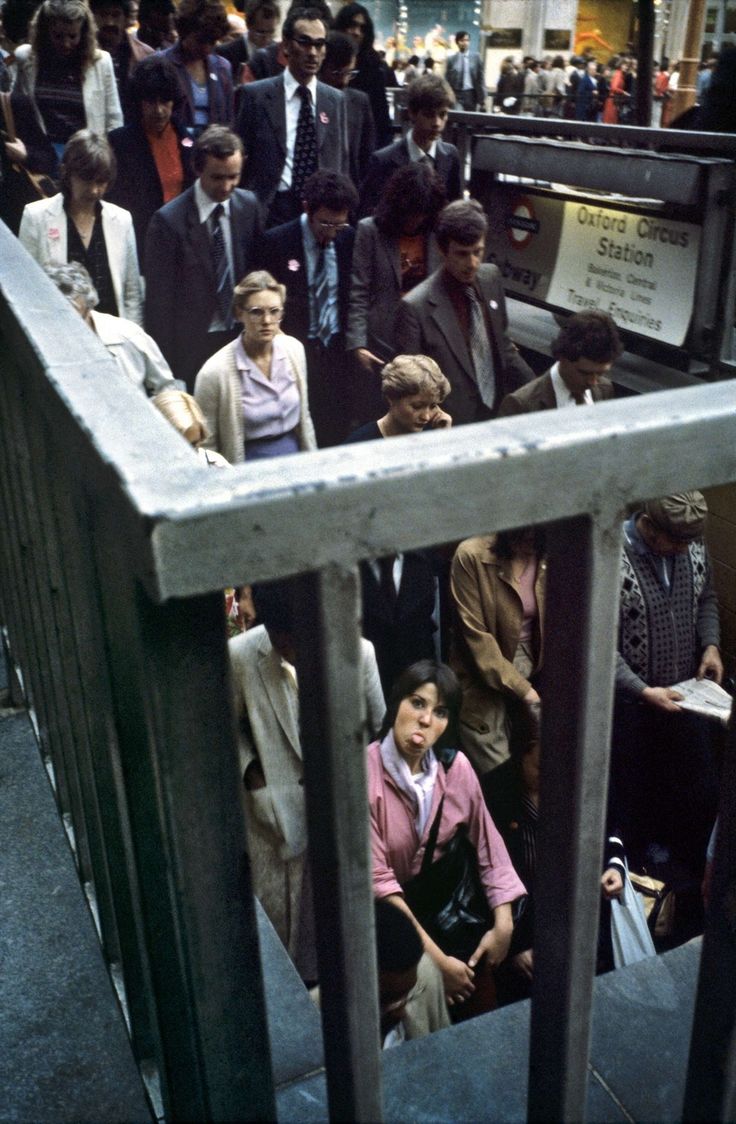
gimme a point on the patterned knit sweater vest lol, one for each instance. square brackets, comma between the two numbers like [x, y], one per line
[658, 629]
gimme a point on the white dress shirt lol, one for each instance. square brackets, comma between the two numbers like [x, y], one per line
[563, 397]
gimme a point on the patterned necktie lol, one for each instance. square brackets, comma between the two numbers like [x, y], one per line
[305, 144]
[223, 280]
[480, 350]
[325, 315]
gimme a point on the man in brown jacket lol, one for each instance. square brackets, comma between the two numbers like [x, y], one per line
[585, 350]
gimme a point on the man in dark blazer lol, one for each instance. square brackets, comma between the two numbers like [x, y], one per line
[428, 103]
[188, 284]
[261, 19]
[464, 73]
[585, 350]
[312, 256]
[458, 317]
[340, 61]
[268, 122]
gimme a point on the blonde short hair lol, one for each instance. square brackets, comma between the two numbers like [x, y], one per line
[413, 374]
[258, 281]
[182, 411]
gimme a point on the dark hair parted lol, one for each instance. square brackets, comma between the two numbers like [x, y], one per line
[208, 17]
[413, 677]
[398, 944]
[309, 12]
[591, 334]
[429, 93]
[415, 189]
[89, 157]
[217, 141]
[341, 49]
[461, 35]
[154, 79]
[274, 605]
[463, 221]
[331, 190]
[345, 17]
[506, 543]
[64, 11]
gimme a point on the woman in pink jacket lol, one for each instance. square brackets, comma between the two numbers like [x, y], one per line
[405, 786]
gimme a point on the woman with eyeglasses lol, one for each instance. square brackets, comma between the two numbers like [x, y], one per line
[253, 391]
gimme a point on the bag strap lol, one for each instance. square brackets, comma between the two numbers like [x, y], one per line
[8, 116]
[445, 757]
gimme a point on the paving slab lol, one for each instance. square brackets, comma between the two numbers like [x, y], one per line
[64, 1050]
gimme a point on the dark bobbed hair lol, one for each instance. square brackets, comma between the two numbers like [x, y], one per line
[463, 221]
[461, 35]
[429, 93]
[305, 12]
[64, 11]
[345, 17]
[558, 62]
[506, 542]
[89, 156]
[217, 141]
[414, 189]
[592, 334]
[340, 50]
[154, 79]
[331, 190]
[398, 944]
[413, 677]
[274, 605]
[207, 16]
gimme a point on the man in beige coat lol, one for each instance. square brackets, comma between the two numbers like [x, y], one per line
[267, 705]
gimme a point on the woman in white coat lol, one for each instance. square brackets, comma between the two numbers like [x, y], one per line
[71, 81]
[77, 225]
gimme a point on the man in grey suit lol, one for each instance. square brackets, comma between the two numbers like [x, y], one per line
[585, 350]
[464, 73]
[292, 125]
[428, 104]
[199, 246]
[458, 317]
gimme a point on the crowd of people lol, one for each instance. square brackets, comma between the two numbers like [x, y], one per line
[238, 227]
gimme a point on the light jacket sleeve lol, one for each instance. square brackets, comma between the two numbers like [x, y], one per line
[496, 671]
[375, 705]
[500, 881]
[132, 287]
[385, 881]
[113, 112]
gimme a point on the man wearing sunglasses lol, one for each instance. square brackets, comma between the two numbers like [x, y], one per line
[312, 256]
[292, 125]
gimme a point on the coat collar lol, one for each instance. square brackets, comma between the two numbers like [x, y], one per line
[276, 686]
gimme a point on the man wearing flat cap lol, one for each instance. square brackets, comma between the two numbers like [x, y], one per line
[663, 776]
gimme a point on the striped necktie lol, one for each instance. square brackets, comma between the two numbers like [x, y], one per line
[223, 280]
[480, 349]
[325, 314]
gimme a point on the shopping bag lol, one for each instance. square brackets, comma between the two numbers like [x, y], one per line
[630, 934]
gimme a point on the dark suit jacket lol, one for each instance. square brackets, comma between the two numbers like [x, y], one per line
[137, 186]
[427, 324]
[219, 87]
[387, 160]
[281, 249]
[540, 395]
[236, 53]
[403, 632]
[454, 74]
[361, 133]
[261, 124]
[180, 291]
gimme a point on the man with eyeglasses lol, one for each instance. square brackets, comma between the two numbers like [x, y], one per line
[292, 125]
[337, 71]
[261, 19]
[312, 256]
[198, 247]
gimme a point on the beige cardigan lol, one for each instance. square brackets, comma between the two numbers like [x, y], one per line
[218, 391]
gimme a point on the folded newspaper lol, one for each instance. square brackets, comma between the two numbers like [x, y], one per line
[705, 697]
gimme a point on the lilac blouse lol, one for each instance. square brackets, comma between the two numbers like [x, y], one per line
[270, 406]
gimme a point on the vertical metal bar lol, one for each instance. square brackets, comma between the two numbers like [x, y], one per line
[645, 54]
[178, 750]
[710, 1091]
[580, 626]
[333, 734]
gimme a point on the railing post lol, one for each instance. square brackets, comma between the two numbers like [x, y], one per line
[581, 626]
[333, 734]
[175, 727]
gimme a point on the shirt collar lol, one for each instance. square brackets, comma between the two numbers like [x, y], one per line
[563, 396]
[634, 536]
[205, 205]
[291, 85]
[417, 153]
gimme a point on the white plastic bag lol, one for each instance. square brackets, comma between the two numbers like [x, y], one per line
[630, 934]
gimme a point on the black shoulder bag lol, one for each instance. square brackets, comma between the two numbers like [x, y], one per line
[447, 897]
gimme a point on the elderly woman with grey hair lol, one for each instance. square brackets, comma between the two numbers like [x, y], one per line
[137, 356]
